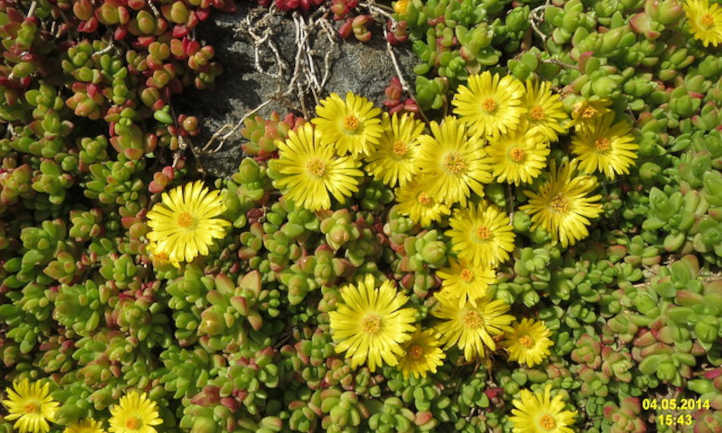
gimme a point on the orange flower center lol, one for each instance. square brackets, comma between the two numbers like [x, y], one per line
[133, 423]
[560, 204]
[707, 20]
[602, 144]
[466, 275]
[589, 112]
[537, 113]
[371, 324]
[316, 167]
[526, 341]
[32, 408]
[489, 105]
[455, 163]
[185, 219]
[483, 233]
[473, 320]
[416, 352]
[547, 422]
[351, 123]
[400, 148]
[517, 154]
[424, 199]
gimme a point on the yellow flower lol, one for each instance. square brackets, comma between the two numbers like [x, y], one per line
[415, 202]
[456, 163]
[310, 170]
[520, 156]
[471, 327]
[605, 147]
[528, 342]
[545, 110]
[401, 6]
[87, 425]
[422, 354]
[394, 159]
[370, 324]
[561, 206]
[481, 235]
[536, 413]
[490, 105]
[586, 111]
[465, 283]
[134, 413]
[31, 405]
[350, 126]
[705, 21]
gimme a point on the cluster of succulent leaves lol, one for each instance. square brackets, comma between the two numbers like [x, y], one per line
[239, 341]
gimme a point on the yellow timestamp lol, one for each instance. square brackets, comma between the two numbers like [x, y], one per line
[675, 404]
[670, 420]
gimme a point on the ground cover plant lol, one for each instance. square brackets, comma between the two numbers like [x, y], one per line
[526, 236]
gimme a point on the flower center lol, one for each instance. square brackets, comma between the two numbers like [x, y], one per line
[526, 341]
[489, 105]
[400, 148]
[537, 113]
[483, 233]
[424, 199]
[466, 275]
[31, 408]
[602, 144]
[473, 320]
[517, 154]
[371, 324]
[416, 352]
[133, 423]
[707, 20]
[455, 163]
[547, 422]
[185, 220]
[316, 167]
[589, 112]
[351, 123]
[560, 204]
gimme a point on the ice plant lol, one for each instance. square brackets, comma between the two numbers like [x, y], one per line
[471, 327]
[31, 406]
[540, 413]
[520, 156]
[349, 126]
[370, 325]
[422, 354]
[464, 282]
[454, 163]
[705, 21]
[184, 224]
[586, 111]
[490, 104]
[562, 205]
[528, 342]
[310, 170]
[134, 413]
[415, 202]
[605, 147]
[481, 235]
[87, 425]
[544, 109]
[394, 160]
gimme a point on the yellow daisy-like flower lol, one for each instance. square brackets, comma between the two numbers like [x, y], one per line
[705, 21]
[134, 413]
[490, 105]
[520, 156]
[471, 327]
[605, 147]
[393, 161]
[536, 413]
[586, 111]
[401, 6]
[31, 405]
[481, 235]
[465, 283]
[456, 163]
[562, 205]
[528, 342]
[351, 125]
[310, 170]
[415, 202]
[422, 354]
[183, 224]
[87, 425]
[370, 324]
[545, 109]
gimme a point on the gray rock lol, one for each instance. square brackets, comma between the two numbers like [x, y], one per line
[363, 68]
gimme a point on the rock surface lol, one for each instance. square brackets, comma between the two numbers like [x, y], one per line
[363, 68]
